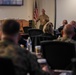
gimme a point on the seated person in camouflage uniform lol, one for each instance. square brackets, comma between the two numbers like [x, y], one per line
[24, 62]
[67, 34]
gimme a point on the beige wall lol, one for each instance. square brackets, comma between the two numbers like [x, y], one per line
[21, 12]
[65, 10]
[26, 11]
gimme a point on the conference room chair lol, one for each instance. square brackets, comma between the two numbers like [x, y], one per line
[26, 28]
[34, 32]
[58, 54]
[25, 35]
[6, 67]
[37, 39]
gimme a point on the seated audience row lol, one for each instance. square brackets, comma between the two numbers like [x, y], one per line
[25, 62]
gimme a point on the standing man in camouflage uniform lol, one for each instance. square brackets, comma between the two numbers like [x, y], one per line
[24, 62]
[43, 19]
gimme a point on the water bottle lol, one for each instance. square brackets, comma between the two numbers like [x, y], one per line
[29, 44]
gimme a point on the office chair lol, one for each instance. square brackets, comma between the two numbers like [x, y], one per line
[58, 54]
[6, 66]
[37, 39]
[26, 29]
[34, 32]
[26, 33]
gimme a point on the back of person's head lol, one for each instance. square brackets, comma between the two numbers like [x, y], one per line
[48, 28]
[65, 22]
[10, 27]
[73, 23]
[68, 30]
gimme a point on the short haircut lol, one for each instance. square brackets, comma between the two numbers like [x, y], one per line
[10, 27]
[65, 22]
[68, 29]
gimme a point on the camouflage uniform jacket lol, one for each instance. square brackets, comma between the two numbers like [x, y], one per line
[24, 61]
[65, 40]
[43, 19]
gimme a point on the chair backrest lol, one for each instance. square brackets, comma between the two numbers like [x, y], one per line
[26, 29]
[58, 54]
[6, 66]
[37, 39]
[34, 32]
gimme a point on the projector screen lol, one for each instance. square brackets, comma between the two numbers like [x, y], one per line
[65, 9]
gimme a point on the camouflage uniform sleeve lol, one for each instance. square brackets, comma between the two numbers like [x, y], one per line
[35, 68]
[38, 19]
[47, 18]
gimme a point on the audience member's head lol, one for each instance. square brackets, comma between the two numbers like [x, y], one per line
[68, 31]
[10, 29]
[65, 22]
[48, 28]
[73, 23]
